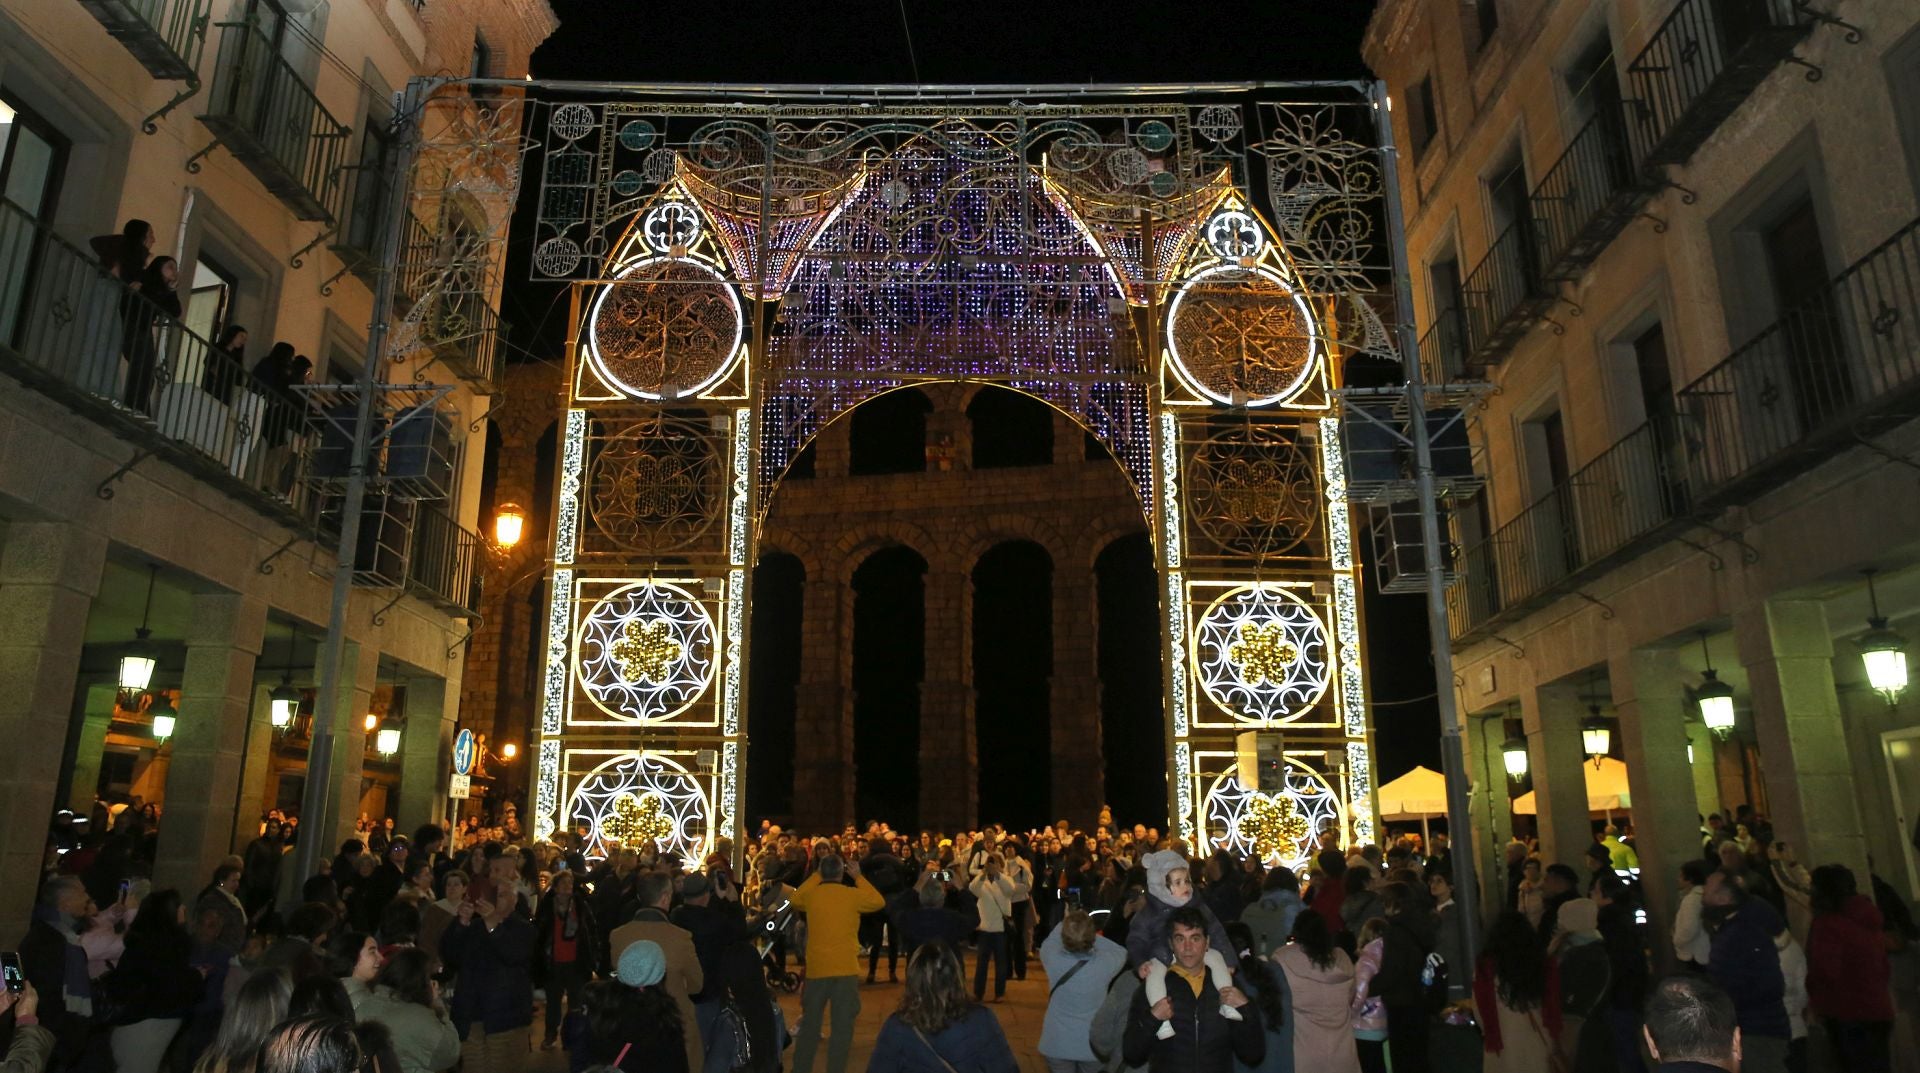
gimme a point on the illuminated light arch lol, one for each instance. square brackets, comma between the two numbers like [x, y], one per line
[1234, 813]
[689, 302]
[1262, 654]
[604, 801]
[645, 652]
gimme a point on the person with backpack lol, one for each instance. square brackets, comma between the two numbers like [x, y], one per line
[1080, 963]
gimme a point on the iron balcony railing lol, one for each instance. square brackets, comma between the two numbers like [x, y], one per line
[1839, 366]
[464, 332]
[166, 36]
[1588, 196]
[1622, 498]
[269, 118]
[1503, 293]
[1703, 61]
[441, 566]
[1445, 351]
[83, 337]
[1834, 368]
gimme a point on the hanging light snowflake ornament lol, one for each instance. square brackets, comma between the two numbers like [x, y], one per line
[647, 651]
[1273, 825]
[636, 819]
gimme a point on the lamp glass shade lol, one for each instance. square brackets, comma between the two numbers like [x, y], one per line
[1597, 738]
[509, 524]
[162, 727]
[1716, 711]
[285, 704]
[164, 717]
[509, 751]
[1514, 754]
[136, 670]
[371, 721]
[387, 742]
[1885, 654]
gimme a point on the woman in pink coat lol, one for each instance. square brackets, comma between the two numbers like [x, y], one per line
[1320, 979]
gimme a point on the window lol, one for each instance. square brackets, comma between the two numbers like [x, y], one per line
[210, 295]
[1507, 190]
[888, 434]
[1903, 79]
[369, 187]
[343, 365]
[1486, 17]
[32, 162]
[1593, 84]
[1422, 122]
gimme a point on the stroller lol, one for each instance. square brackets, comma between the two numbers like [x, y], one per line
[773, 932]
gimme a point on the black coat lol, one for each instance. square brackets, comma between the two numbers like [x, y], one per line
[1202, 1041]
[43, 960]
[496, 989]
[589, 946]
[1403, 956]
[160, 980]
[715, 927]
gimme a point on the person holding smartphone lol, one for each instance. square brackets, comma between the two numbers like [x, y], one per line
[32, 1045]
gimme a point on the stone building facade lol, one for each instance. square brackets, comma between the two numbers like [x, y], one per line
[1677, 239]
[147, 483]
[951, 515]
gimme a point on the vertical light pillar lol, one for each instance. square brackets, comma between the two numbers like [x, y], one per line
[224, 637]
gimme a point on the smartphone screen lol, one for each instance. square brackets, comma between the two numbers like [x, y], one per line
[10, 967]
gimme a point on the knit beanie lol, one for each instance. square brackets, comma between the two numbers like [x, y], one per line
[1578, 915]
[642, 964]
[1158, 866]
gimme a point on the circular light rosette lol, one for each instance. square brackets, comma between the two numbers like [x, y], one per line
[1262, 654]
[646, 652]
[1243, 336]
[1280, 828]
[667, 327]
[642, 797]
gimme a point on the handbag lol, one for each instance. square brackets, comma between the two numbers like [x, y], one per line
[732, 1024]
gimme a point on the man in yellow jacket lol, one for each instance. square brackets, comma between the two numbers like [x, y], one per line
[833, 911]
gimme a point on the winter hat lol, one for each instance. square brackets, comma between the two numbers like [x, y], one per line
[1159, 865]
[1578, 915]
[643, 964]
[693, 886]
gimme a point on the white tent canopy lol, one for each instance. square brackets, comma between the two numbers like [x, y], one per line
[1419, 794]
[1606, 790]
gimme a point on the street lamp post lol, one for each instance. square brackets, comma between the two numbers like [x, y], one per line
[1453, 750]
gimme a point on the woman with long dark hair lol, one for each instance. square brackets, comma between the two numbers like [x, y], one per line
[150, 318]
[1319, 977]
[249, 1020]
[938, 1025]
[157, 979]
[631, 1023]
[1266, 986]
[1515, 989]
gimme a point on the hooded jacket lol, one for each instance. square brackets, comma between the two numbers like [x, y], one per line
[1847, 966]
[1147, 932]
[1271, 919]
[1322, 1011]
[1746, 964]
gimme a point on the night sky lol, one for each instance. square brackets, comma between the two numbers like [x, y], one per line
[998, 41]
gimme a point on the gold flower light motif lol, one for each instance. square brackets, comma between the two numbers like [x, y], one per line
[1263, 653]
[647, 651]
[1273, 824]
[634, 820]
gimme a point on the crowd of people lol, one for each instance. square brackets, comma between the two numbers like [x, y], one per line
[462, 948]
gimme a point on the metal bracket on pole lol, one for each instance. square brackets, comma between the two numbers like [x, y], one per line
[1517, 650]
[473, 626]
[105, 491]
[266, 564]
[1719, 564]
[498, 403]
[151, 124]
[1659, 224]
[298, 260]
[1854, 35]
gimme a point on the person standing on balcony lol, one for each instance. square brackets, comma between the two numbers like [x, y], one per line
[149, 320]
[226, 365]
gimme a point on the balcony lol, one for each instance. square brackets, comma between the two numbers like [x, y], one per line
[78, 335]
[1589, 196]
[1830, 372]
[166, 36]
[440, 568]
[1838, 368]
[1446, 353]
[268, 117]
[1703, 61]
[1504, 295]
[1616, 504]
[463, 332]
